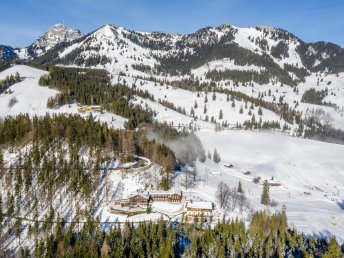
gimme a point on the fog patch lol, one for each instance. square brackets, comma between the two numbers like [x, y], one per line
[187, 148]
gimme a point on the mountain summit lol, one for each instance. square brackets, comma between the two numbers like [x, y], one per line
[55, 35]
[260, 54]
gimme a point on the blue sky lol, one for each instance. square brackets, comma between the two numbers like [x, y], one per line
[22, 21]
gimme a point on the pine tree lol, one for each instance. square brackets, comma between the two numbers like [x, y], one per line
[216, 156]
[265, 194]
[333, 250]
[221, 114]
[192, 112]
[17, 77]
[260, 111]
[240, 190]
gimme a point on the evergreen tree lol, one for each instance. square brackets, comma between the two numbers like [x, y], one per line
[260, 111]
[216, 156]
[240, 190]
[241, 110]
[333, 250]
[265, 199]
[221, 114]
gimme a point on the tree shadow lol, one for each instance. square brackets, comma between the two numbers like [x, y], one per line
[341, 204]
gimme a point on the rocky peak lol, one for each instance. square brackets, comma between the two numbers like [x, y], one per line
[56, 34]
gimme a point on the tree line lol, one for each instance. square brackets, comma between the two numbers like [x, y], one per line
[266, 236]
[9, 81]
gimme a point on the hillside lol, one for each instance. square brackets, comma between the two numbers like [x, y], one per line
[28, 97]
[91, 125]
[264, 63]
[302, 184]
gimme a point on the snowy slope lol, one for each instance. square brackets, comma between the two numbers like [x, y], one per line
[334, 83]
[32, 98]
[247, 37]
[311, 175]
[223, 65]
[186, 100]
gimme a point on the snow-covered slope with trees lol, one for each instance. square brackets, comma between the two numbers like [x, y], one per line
[28, 97]
[253, 94]
[261, 62]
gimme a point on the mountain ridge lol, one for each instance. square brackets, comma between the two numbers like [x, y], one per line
[285, 58]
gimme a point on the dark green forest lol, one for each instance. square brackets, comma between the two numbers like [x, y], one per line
[266, 236]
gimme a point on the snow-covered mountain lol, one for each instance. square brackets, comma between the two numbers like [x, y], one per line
[257, 54]
[241, 90]
[7, 53]
[261, 54]
[55, 35]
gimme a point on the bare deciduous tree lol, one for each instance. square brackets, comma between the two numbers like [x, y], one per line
[222, 194]
[230, 198]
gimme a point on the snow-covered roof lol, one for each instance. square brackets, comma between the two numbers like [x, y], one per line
[170, 192]
[141, 193]
[200, 205]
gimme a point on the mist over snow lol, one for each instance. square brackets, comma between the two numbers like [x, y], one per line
[187, 149]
